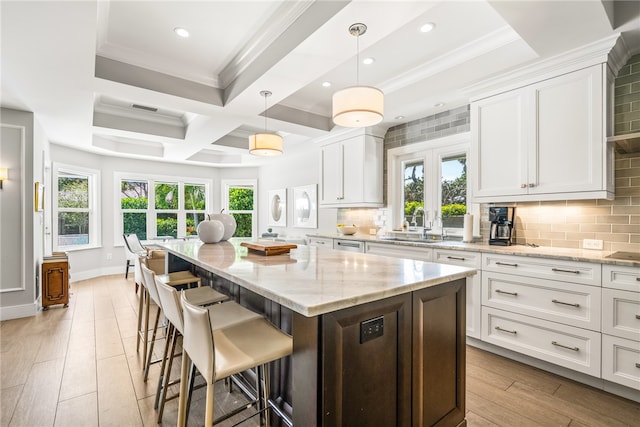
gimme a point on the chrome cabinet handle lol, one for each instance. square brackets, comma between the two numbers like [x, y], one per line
[637, 279]
[456, 258]
[498, 328]
[515, 294]
[565, 346]
[638, 316]
[523, 185]
[560, 270]
[531, 185]
[565, 303]
[637, 365]
[506, 263]
[351, 245]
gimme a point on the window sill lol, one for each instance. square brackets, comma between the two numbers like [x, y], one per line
[77, 248]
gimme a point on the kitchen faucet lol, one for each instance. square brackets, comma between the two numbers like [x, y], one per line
[424, 217]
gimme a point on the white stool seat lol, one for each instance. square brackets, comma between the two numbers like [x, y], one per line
[228, 314]
[203, 295]
[179, 278]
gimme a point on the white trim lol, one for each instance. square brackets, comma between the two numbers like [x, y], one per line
[430, 150]
[19, 311]
[224, 187]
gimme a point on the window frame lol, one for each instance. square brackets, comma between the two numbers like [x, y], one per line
[93, 209]
[226, 184]
[151, 211]
[432, 152]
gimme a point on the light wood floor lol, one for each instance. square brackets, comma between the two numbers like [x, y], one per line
[79, 367]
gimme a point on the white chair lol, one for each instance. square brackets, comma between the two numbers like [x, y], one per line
[224, 315]
[220, 353]
[202, 295]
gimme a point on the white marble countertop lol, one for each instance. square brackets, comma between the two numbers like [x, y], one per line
[314, 281]
[585, 255]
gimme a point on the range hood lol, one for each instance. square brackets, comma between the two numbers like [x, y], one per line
[625, 144]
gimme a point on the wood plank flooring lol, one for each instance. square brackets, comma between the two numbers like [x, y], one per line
[79, 367]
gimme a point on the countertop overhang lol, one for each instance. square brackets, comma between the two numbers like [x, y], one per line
[313, 281]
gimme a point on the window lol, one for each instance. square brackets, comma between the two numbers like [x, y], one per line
[160, 207]
[428, 184]
[239, 200]
[75, 208]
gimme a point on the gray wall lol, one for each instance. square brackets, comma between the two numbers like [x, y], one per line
[23, 150]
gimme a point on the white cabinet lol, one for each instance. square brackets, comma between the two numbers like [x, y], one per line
[399, 251]
[474, 284]
[320, 242]
[621, 361]
[544, 141]
[351, 173]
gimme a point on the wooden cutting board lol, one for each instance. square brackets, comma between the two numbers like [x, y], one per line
[269, 248]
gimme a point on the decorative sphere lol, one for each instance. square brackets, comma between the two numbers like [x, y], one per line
[229, 223]
[210, 231]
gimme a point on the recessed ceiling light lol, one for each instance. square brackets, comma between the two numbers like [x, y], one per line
[326, 84]
[439, 104]
[368, 61]
[399, 117]
[427, 27]
[182, 32]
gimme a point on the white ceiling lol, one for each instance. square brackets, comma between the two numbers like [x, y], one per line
[81, 65]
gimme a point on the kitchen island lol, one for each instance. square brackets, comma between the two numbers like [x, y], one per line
[377, 340]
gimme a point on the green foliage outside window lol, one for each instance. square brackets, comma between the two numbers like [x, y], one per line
[166, 196]
[241, 199]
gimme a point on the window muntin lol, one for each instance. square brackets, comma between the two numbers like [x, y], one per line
[159, 207]
[413, 190]
[75, 212]
[240, 201]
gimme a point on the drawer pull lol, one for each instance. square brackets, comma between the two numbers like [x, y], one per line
[637, 365]
[565, 346]
[565, 303]
[506, 263]
[560, 270]
[457, 258]
[350, 245]
[637, 279]
[498, 328]
[638, 316]
[499, 291]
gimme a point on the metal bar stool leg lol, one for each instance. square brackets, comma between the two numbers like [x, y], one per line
[165, 354]
[153, 339]
[167, 376]
[140, 314]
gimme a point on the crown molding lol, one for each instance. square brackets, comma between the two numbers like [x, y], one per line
[594, 53]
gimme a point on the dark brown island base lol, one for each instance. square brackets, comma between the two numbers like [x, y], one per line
[378, 341]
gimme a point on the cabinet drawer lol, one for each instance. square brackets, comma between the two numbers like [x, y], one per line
[568, 303]
[463, 258]
[585, 273]
[399, 251]
[621, 313]
[621, 361]
[567, 346]
[320, 241]
[621, 277]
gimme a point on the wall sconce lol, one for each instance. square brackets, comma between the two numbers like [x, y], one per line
[3, 176]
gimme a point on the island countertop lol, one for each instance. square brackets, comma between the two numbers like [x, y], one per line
[314, 281]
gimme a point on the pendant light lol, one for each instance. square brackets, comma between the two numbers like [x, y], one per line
[358, 106]
[265, 144]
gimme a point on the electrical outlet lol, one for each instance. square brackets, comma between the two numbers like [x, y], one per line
[372, 328]
[373, 231]
[592, 244]
[109, 256]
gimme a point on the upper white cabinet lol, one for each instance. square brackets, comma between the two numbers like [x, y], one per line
[351, 172]
[544, 141]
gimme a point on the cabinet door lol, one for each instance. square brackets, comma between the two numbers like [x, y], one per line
[331, 168]
[353, 173]
[498, 145]
[569, 144]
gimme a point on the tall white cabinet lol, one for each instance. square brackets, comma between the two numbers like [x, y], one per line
[351, 172]
[544, 140]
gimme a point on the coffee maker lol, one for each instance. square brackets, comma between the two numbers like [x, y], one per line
[501, 231]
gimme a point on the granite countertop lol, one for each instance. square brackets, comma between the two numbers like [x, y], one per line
[314, 282]
[584, 255]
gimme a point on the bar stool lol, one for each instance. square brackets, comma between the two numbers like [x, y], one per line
[223, 316]
[204, 295]
[174, 279]
[224, 352]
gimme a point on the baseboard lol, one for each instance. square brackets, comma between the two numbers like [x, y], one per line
[18, 311]
[599, 383]
[90, 274]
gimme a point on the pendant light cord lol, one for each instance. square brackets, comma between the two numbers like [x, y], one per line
[358, 59]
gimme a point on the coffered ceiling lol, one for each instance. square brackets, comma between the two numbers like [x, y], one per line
[112, 77]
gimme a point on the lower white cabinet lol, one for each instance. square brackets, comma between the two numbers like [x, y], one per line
[621, 361]
[621, 314]
[563, 302]
[474, 284]
[621, 277]
[567, 346]
[399, 251]
[320, 241]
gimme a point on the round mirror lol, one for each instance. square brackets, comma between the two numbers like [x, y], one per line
[276, 209]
